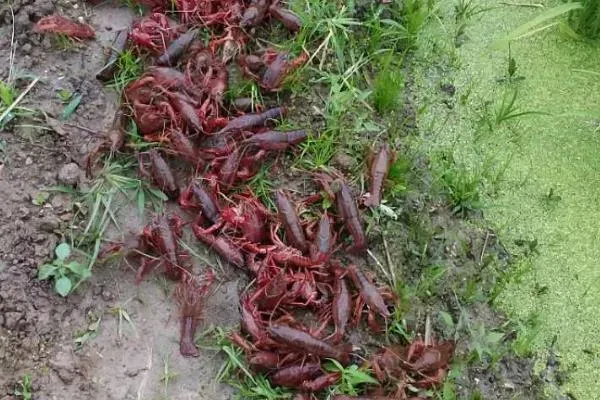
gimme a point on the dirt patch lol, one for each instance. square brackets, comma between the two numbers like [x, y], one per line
[38, 329]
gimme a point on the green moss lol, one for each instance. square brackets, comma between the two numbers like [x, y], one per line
[555, 153]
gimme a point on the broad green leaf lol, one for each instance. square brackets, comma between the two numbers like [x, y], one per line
[63, 251]
[357, 376]
[63, 286]
[71, 107]
[46, 271]
[79, 269]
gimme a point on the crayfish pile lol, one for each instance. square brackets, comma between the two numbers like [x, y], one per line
[303, 298]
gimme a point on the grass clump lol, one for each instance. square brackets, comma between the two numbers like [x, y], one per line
[387, 89]
[129, 68]
[462, 187]
[23, 389]
[586, 21]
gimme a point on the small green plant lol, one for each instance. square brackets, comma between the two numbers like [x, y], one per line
[462, 186]
[90, 333]
[168, 376]
[8, 96]
[64, 95]
[398, 175]
[40, 198]
[387, 89]
[464, 10]
[353, 378]
[23, 389]
[262, 186]
[122, 316]
[129, 68]
[66, 274]
[485, 346]
[526, 332]
[507, 109]
[415, 14]
[235, 372]
[62, 42]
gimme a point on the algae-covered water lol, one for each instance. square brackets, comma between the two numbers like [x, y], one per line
[549, 190]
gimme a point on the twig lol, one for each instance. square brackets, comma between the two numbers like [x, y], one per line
[148, 369]
[83, 128]
[388, 258]
[428, 338]
[18, 100]
[13, 50]
[387, 276]
[485, 243]
[531, 5]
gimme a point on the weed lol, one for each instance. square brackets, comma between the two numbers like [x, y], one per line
[525, 333]
[122, 316]
[8, 111]
[168, 376]
[551, 200]
[397, 175]
[464, 10]
[352, 378]
[64, 95]
[90, 333]
[99, 202]
[430, 279]
[66, 275]
[23, 389]
[511, 70]
[331, 26]
[507, 109]
[62, 42]
[485, 346]
[462, 186]
[387, 89]
[262, 186]
[235, 372]
[415, 14]
[129, 68]
[245, 88]
[133, 5]
[40, 198]
[384, 35]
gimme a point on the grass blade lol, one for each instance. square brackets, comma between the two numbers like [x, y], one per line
[533, 26]
[71, 107]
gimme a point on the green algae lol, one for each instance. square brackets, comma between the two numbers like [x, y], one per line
[549, 165]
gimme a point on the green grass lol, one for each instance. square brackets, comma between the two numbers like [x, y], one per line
[387, 89]
[463, 186]
[129, 68]
[23, 389]
[236, 373]
[586, 21]
[8, 96]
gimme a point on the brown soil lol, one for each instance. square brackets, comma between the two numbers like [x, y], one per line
[37, 328]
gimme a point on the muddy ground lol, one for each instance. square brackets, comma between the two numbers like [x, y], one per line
[122, 360]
